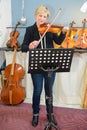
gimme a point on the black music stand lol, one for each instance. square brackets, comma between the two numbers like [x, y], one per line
[48, 61]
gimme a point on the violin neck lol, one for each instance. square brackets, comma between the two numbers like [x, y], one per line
[84, 25]
[71, 25]
[15, 28]
[13, 62]
[14, 32]
[83, 28]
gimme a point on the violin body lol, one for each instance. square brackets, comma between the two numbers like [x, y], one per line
[68, 43]
[12, 92]
[71, 33]
[13, 39]
[15, 35]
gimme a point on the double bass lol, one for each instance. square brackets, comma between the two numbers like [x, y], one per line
[13, 92]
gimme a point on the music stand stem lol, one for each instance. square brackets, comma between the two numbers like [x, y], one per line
[49, 98]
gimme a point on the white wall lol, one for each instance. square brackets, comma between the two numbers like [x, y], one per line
[5, 20]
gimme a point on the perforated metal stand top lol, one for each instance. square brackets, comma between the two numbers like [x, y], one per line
[45, 58]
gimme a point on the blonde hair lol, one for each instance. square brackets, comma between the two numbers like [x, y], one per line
[42, 9]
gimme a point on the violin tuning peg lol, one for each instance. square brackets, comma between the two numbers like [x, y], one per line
[84, 20]
[73, 22]
[19, 23]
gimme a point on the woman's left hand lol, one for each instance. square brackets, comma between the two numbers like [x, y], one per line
[65, 29]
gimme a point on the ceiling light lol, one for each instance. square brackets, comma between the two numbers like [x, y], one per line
[84, 7]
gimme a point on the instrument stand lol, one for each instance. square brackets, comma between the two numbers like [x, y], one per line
[48, 61]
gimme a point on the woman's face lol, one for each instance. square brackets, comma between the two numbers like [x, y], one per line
[41, 18]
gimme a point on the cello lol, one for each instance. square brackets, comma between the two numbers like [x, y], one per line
[13, 92]
[69, 42]
[81, 42]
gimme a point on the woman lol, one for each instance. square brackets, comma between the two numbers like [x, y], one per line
[31, 41]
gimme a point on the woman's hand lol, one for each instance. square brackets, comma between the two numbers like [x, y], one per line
[65, 29]
[33, 44]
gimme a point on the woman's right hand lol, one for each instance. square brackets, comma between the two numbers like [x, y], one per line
[33, 44]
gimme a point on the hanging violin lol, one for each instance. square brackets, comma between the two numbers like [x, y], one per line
[12, 92]
[81, 42]
[13, 37]
[69, 42]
